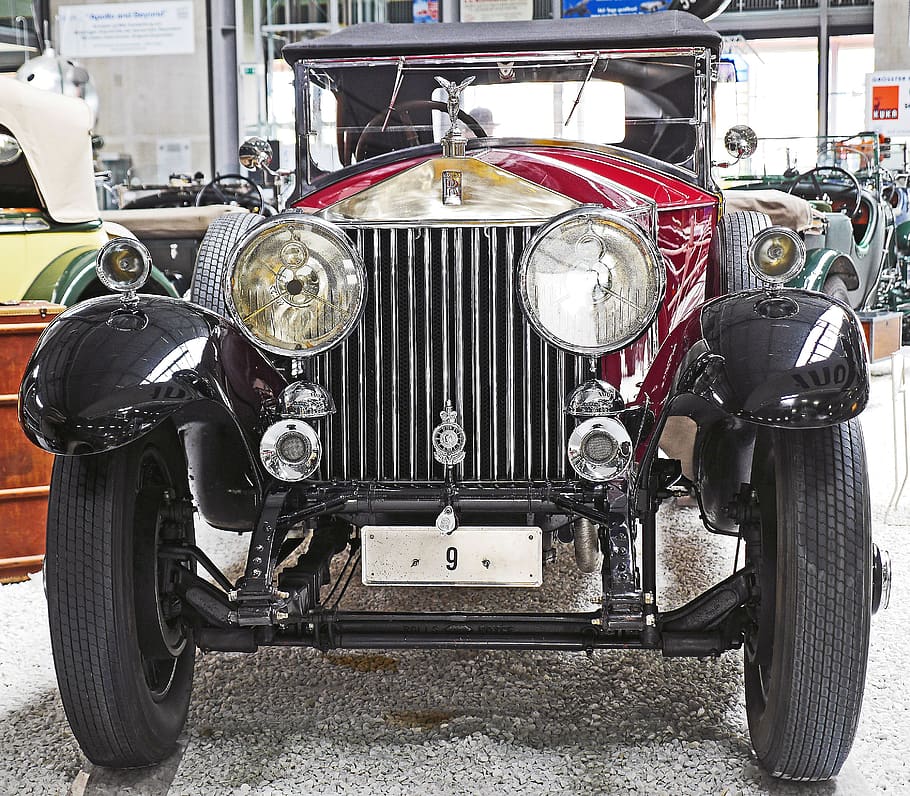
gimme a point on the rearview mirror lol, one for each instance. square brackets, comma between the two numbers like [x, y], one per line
[255, 154]
[741, 141]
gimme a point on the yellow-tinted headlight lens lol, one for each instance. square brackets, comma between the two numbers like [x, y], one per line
[296, 286]
[776, 254]
[123, 264]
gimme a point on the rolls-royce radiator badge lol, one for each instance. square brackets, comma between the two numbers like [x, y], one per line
[449, 438]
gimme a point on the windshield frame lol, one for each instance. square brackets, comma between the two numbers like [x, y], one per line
[701, 100]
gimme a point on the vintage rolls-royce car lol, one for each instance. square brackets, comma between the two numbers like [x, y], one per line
[503, 284]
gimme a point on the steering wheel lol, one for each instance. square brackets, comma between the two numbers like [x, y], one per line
[226, 189]
[814, 179]
[411, 133]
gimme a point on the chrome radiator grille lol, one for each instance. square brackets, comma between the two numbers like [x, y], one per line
[442, 320]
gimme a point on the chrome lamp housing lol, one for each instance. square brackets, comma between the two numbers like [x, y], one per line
[295, 285]
[591, 281]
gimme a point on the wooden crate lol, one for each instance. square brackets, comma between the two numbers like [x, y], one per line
[883, 333]
[25, 470]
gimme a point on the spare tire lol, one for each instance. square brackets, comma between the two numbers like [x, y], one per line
[734, 231]
[206, 288]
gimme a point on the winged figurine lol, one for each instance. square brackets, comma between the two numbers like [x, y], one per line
[454, 91]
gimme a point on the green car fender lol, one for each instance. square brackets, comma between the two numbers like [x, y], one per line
[822, 263]
[902, 237]
[68, 276]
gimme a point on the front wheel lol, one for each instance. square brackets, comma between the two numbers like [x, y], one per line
[805, 656]
[124, 658]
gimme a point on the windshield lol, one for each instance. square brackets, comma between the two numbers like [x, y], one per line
[362, 109]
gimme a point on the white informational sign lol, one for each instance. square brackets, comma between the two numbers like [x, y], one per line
[117, 29]
[174, 157]
[888, 102]
[496, 10]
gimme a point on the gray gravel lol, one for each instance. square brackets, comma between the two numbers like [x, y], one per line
[288, 721]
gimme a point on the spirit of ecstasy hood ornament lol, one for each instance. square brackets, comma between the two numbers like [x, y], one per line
[454, 142]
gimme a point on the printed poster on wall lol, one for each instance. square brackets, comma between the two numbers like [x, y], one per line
[426, 11]
[705, 9]
[609, 8]
[118, 29]
[496, 10]
[888, 102]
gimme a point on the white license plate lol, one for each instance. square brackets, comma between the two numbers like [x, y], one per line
[469, 556]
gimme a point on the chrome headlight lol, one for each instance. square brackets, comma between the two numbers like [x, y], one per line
[296, 286]
[591, 281]
[123, 264]
[776, 254]
[9, 149]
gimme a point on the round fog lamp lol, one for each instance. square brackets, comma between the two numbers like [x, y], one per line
[123, 264]
[293, 447]
[600, 449]
[776, 254]
[290, 450]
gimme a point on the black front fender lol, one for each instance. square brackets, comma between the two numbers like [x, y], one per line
[103, 376]
[791, 359]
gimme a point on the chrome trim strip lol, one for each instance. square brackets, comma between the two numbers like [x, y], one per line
[377, 249]
[345, 410]
[361, 382]
[459, 325]
[428, 347]
[328, 426]
[526, 366]
[561, 416]
[545, 398]
[393, 293]
[412, 362]
[434, 60]
[510, 350]
[475, 346]
[444, 276]
[493, 238]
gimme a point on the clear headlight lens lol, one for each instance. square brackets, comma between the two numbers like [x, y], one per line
[591, 281]
[776, 254]
[297, 285]
[9, 149]
[123, 264]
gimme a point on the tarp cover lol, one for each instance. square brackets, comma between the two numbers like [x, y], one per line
[634, 31]
[55, 135]
[784, 209]
[169, 222]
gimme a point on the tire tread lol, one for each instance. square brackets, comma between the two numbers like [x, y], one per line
[827, 512]
[223, 233]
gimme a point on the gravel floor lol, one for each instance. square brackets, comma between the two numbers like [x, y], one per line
[288, 721]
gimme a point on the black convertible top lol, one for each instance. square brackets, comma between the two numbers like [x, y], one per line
[633, 31]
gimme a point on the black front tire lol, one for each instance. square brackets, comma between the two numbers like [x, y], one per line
[805, 658]
[124, 663]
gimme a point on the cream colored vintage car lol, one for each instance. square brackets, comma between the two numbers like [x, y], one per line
[50, 225]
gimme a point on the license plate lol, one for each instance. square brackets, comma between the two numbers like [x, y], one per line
[469, 556]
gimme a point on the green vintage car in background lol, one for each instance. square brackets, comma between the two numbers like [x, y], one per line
[846, 224]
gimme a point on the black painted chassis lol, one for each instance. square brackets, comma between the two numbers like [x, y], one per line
[253, 612]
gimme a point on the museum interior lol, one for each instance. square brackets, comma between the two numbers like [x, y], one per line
[454, 397]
